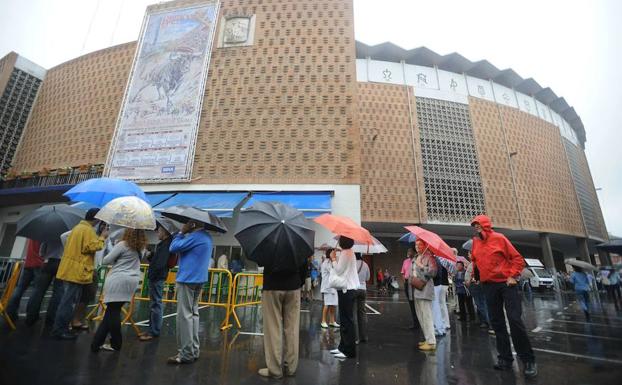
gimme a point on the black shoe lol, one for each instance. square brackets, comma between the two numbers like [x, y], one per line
[30, 322]
[531, 370]
[66, 336]
[503, 365]
[587, 315]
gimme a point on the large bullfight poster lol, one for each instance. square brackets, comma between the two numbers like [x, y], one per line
[157, 126]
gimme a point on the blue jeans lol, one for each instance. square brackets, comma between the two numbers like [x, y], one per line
[480, 302]
[29, 275]
[47, 275]
[583, 298]
[155, 298]
[64, 313]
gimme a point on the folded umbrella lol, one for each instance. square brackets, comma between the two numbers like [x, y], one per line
[99, 191]
[47, 223]
[582, 264]
[360, 247]
[183, 214]
[468, 245]
[345, 226]
[408, 238]
[276, 235]
[435, 244]
[130, 211]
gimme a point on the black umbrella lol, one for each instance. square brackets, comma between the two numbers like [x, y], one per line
[168, 224]
[47, 223]
[276, 235]
[613, 246]
[184, 214]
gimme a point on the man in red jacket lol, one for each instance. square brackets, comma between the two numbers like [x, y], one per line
[499, 266]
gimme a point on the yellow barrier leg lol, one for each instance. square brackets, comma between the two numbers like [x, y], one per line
[6, 316]
[128, 317]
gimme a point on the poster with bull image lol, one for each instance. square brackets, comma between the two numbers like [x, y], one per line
[157, 125]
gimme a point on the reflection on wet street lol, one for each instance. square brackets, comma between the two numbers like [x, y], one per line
[568, 351]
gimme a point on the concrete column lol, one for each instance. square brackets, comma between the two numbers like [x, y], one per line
[547, 252]
[583, 249]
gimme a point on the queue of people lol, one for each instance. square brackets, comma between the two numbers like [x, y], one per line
[490, 280]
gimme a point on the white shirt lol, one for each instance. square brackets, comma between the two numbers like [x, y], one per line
[363, 272]
[223, 263]
[346, 268]
[326, 269]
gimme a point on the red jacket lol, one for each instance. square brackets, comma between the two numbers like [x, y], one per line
[495, 257]
[33, 259]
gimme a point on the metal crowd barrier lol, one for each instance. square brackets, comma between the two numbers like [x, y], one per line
[10, 269]
[215, 292]
[246, 292]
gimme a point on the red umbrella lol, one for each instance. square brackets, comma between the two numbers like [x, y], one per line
[346, 227]
[434, 242]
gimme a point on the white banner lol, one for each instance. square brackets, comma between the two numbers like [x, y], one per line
[157, 125]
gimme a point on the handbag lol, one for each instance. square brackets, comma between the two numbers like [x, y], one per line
[336, 281]
[417, 283]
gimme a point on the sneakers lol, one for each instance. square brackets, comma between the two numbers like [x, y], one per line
[426, 347]
[324, 325]
[334, 325]
[340, 355]
[335, 351]
[107, 347]
[491, 332]
[266, 373]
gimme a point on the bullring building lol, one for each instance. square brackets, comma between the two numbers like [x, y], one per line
[219, 104]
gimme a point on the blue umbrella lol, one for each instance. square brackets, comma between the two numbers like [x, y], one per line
[408, 238]
[100, 191]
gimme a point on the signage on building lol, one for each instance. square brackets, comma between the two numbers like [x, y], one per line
[157, 126]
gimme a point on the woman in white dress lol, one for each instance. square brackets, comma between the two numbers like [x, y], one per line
[329, 294]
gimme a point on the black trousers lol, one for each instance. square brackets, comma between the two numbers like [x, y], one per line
[111, 324]
[465, 303]
[498, 296]
[361, 315]
[347, 344]
[47, 275]
[411, 303]
[613, 292]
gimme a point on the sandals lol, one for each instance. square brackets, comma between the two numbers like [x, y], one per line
[145, 337]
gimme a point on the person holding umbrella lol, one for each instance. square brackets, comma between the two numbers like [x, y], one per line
[194, 246]
[500, 265]
[582, 288]
[345, 266]
[421, 279]
[157, 273]
[76, 270]
[121, 283]
[406, 271]
[280, 239]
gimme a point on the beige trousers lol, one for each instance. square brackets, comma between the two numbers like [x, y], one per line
[281, 327]
[423, 308]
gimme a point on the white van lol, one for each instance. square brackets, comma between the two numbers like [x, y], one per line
[541, 279]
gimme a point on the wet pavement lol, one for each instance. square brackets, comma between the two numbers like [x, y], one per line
[568, 351]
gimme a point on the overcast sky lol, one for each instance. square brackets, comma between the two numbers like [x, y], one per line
[572, 46]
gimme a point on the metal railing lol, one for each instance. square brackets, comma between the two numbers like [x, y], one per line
[72, 177]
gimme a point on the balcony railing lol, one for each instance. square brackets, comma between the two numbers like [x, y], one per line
[54, 178]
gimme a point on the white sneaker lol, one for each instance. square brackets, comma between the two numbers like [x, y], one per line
[340, 355]
[335, 325]
[335, 351]
[324, 325]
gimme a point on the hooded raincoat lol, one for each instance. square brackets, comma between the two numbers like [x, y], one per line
[493, 254]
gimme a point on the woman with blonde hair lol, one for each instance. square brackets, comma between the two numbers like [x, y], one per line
[121, 283]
